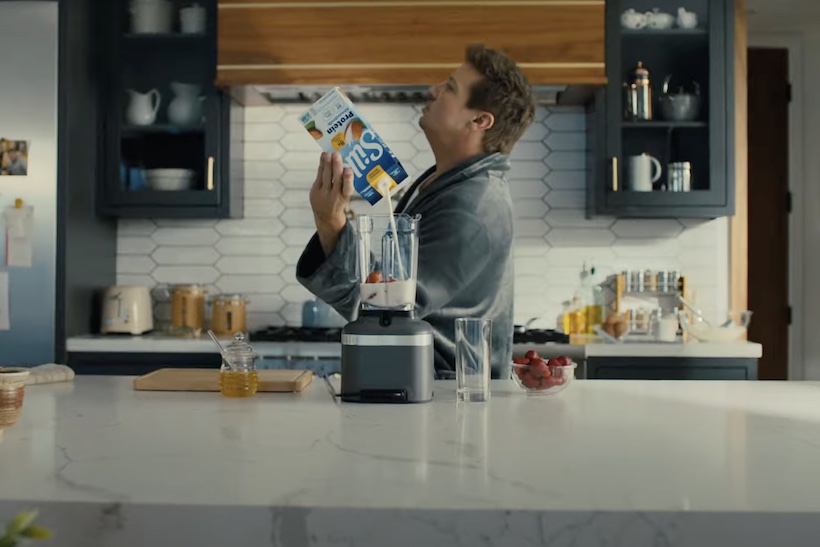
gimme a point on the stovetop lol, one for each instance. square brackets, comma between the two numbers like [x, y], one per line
[297, 334]
[310, 334]
[540, 336]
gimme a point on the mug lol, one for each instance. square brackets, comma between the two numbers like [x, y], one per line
[640, 177]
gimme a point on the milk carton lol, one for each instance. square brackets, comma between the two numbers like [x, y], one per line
[338, 126]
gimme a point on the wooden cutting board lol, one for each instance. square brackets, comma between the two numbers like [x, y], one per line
[207, 379]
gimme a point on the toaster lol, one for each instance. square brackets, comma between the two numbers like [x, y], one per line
[127, 310]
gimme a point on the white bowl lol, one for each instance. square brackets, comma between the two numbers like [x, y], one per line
[169, 179]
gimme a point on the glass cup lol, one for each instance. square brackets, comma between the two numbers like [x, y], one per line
[473, 351]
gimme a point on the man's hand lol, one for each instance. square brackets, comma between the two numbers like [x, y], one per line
[329, 197]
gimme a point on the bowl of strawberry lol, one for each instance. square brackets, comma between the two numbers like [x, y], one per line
[543, 376]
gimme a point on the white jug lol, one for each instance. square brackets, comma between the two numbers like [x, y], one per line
[143, 107]
[151, 16]
[186, 106]
[639, 169]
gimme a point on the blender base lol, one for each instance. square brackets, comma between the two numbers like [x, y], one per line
[387, 357]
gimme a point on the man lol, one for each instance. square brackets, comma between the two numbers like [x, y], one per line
[471, 120]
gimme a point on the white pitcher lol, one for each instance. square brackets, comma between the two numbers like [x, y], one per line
[639, 169]
[143, 107]
[186, 106]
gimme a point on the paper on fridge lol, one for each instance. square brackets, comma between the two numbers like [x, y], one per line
[5, 316]
[19, 223]
[338, 126]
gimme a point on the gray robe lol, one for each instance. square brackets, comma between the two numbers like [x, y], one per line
[465, 263]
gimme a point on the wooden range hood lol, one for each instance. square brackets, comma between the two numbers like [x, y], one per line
[403, 42]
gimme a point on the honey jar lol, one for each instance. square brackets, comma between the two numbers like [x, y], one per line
[228, 314]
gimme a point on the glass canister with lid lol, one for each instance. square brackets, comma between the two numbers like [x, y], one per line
[228, 314]
[238, 376]
[188, 308]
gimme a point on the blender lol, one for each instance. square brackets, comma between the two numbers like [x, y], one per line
[387, 352]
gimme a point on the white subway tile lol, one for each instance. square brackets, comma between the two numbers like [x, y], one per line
[185, 274]
[185, 255]
[300, 142]
[566, 199]
[527, 189]
[646, 227]
[135, 245]
[565, 121]
[255, 246]
[574, 257]
[263, 114]
[378, 114]
[292, 314]
[185, 236]
[263, 208]
[526, 227]
[530, 208]
[259, 321]
[257, 283]
[250, 227]
[301, 179]
[297, 236]
[262, 170]
[575, 218]
[580, 237]
[250, 265]
[263, 189]
[535, 132]
[566, 161]
[573, 141]
[530, 246]
[640, 247]
[527, 170]
[298, 218]
[296, 293]
[264, 302]
[309, 161]
[263, 151]
[528, 150]
[265, 132]
[134, 264]
[567, 180]
[291, 255]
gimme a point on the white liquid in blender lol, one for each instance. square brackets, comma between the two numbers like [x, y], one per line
[394, 294]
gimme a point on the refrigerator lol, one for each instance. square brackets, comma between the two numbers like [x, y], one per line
[28, 114]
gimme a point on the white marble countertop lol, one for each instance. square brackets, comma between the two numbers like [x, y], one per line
[652, 452]
[152, 343]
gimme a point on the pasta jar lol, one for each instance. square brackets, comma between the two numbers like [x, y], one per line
[188, 307]
[228, 313]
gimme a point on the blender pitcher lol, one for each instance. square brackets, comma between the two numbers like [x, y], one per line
[387, 261]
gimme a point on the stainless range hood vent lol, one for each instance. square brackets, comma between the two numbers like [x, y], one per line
[358, 93]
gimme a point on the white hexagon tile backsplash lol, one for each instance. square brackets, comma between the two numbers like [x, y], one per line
[256, 255]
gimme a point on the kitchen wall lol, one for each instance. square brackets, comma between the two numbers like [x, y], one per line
[28, 111]
[256, 255]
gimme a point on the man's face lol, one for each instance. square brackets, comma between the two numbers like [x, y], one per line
[446, 115]
[12, 155]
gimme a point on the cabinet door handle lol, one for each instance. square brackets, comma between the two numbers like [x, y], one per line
[210, 182]
[615, 173]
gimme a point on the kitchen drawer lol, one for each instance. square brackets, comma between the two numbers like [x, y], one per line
[127, 363]
[654, 368]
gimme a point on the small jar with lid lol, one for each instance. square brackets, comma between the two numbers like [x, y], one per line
[238, 376]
